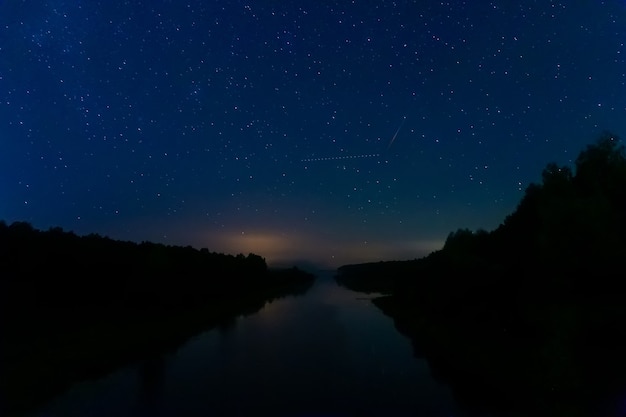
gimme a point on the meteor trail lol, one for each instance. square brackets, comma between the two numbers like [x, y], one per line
[396, 134]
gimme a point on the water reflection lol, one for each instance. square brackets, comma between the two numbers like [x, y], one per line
[328, 352]
[151, 373]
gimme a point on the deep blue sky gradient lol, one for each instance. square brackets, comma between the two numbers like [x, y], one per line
[267, 127]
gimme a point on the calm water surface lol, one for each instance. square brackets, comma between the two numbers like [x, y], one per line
[329, 352]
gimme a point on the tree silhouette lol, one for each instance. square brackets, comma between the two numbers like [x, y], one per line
[74, 306]
[601, 169]
[532, 311]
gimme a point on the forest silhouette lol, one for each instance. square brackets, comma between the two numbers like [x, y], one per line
[75, 307]
[527, 319]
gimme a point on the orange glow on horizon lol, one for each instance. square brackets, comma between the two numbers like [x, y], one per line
[280, 248]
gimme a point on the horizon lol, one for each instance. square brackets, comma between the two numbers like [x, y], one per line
[277, 257]
[331, 133]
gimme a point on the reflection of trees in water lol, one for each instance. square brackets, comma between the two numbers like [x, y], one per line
[150, 373]
[275, 362]
[227, 325]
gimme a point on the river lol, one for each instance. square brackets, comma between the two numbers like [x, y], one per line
[329, 352]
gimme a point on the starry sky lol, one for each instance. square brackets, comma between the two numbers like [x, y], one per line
[332, 132]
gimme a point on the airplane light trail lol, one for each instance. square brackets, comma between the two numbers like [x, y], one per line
[335, 158]
[359, 156]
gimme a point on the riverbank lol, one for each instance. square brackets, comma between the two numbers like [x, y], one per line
[568, 362]
[46, 351]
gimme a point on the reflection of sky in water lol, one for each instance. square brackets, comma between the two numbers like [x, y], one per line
[325, 352]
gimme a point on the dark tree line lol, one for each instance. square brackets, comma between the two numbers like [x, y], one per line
[531, 313]
[59, 268]
[56, 282]
[74, 307]
[567, 228]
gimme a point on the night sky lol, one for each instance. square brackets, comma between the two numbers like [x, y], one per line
[329, 131]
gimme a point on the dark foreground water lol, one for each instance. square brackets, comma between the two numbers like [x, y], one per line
[329, 352]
